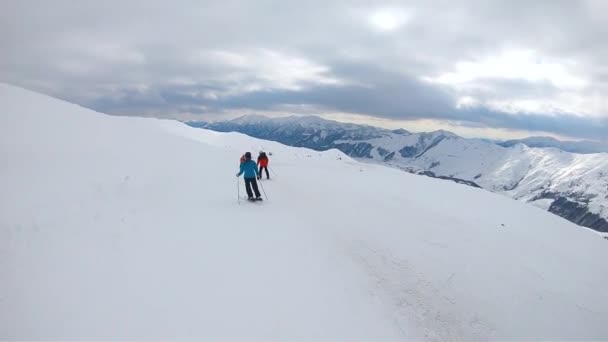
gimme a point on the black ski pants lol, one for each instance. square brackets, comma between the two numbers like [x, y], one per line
[251, 183]
[260, 173]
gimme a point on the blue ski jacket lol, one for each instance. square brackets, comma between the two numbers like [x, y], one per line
[250, 168]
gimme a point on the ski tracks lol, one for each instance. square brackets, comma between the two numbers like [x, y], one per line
[414, 301]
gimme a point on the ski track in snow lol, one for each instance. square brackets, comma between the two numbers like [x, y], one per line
[416, 299]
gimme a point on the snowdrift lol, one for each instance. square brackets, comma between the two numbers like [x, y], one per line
[129, 228]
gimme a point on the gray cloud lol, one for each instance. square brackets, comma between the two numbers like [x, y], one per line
[159, 58]
[387, 95]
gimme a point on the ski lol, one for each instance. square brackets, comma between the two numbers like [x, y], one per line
[253, 200]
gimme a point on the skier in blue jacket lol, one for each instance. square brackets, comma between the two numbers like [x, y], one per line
[250, 169]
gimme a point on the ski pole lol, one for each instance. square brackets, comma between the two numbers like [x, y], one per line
[264, 191]
[238, 191]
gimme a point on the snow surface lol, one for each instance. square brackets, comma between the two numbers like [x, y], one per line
[129, 228]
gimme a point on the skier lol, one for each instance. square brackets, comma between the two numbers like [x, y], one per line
[250, 169]
[263, 163]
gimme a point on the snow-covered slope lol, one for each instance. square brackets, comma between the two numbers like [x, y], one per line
[574, 186]
[570, 185]
[129, 228]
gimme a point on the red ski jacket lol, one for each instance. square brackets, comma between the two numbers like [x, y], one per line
[263, 161]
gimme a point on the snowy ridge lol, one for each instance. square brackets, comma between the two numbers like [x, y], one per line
[540, 176]
[568, 146]
[129, 228]
[571, 185]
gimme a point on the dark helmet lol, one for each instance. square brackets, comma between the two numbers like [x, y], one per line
[247, 155]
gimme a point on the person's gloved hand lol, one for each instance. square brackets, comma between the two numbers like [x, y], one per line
[237, 174]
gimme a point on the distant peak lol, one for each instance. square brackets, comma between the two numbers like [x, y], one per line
[400, 131]
[444, 133]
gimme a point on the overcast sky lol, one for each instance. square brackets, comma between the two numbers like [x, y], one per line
[480, 68]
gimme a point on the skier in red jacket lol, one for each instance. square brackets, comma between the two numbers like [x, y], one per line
[263, 163]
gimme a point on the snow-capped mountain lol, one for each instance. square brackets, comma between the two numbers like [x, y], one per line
[568, 146]
[308, 131]
[574, 186]
[120, 228]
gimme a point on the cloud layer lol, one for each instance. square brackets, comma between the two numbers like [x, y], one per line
[502, 64]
